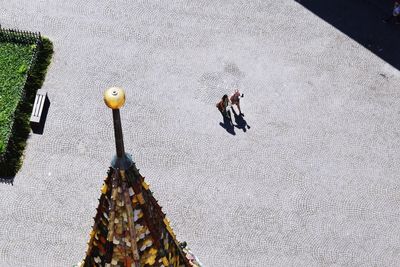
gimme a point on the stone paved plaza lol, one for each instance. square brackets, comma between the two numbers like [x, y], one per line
[313, 182]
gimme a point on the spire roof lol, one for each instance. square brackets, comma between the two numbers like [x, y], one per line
[130, 228]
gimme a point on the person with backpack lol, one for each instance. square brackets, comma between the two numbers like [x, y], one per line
[223, 106]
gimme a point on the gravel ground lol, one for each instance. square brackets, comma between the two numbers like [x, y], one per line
[313, 182]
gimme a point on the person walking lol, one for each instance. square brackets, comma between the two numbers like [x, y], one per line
[223, 107]
[395, 14]
[235, 100]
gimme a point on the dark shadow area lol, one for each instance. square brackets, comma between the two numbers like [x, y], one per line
[362, 20]
[240, 122]
[228, 125]
[7, 180]
[38, 128]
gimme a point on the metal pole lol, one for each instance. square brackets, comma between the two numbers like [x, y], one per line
[119, 140]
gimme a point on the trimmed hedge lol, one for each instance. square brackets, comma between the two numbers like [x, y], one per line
[20, 98]
[14, 62]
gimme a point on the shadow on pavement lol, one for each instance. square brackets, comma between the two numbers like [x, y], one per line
[228, 125]
[362, 21]
[7, 180]
[240, 122]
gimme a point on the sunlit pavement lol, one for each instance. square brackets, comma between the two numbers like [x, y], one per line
[313, 182]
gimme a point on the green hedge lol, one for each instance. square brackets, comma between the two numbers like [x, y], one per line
[19, 82]
[14, 64]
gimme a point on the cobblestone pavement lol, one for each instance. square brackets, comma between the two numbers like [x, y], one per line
[313, 182]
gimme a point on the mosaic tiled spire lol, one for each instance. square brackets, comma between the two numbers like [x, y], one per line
[130, 229]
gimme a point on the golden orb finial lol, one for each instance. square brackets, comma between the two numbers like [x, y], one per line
[114, 97]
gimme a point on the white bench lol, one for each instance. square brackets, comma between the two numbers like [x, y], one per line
[38, 111]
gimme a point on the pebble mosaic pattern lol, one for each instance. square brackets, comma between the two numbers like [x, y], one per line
[314, 182]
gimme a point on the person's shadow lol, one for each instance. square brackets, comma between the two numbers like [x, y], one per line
[227, 124]
[240, 121]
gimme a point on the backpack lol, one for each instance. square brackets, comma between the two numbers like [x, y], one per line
[220, 105]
